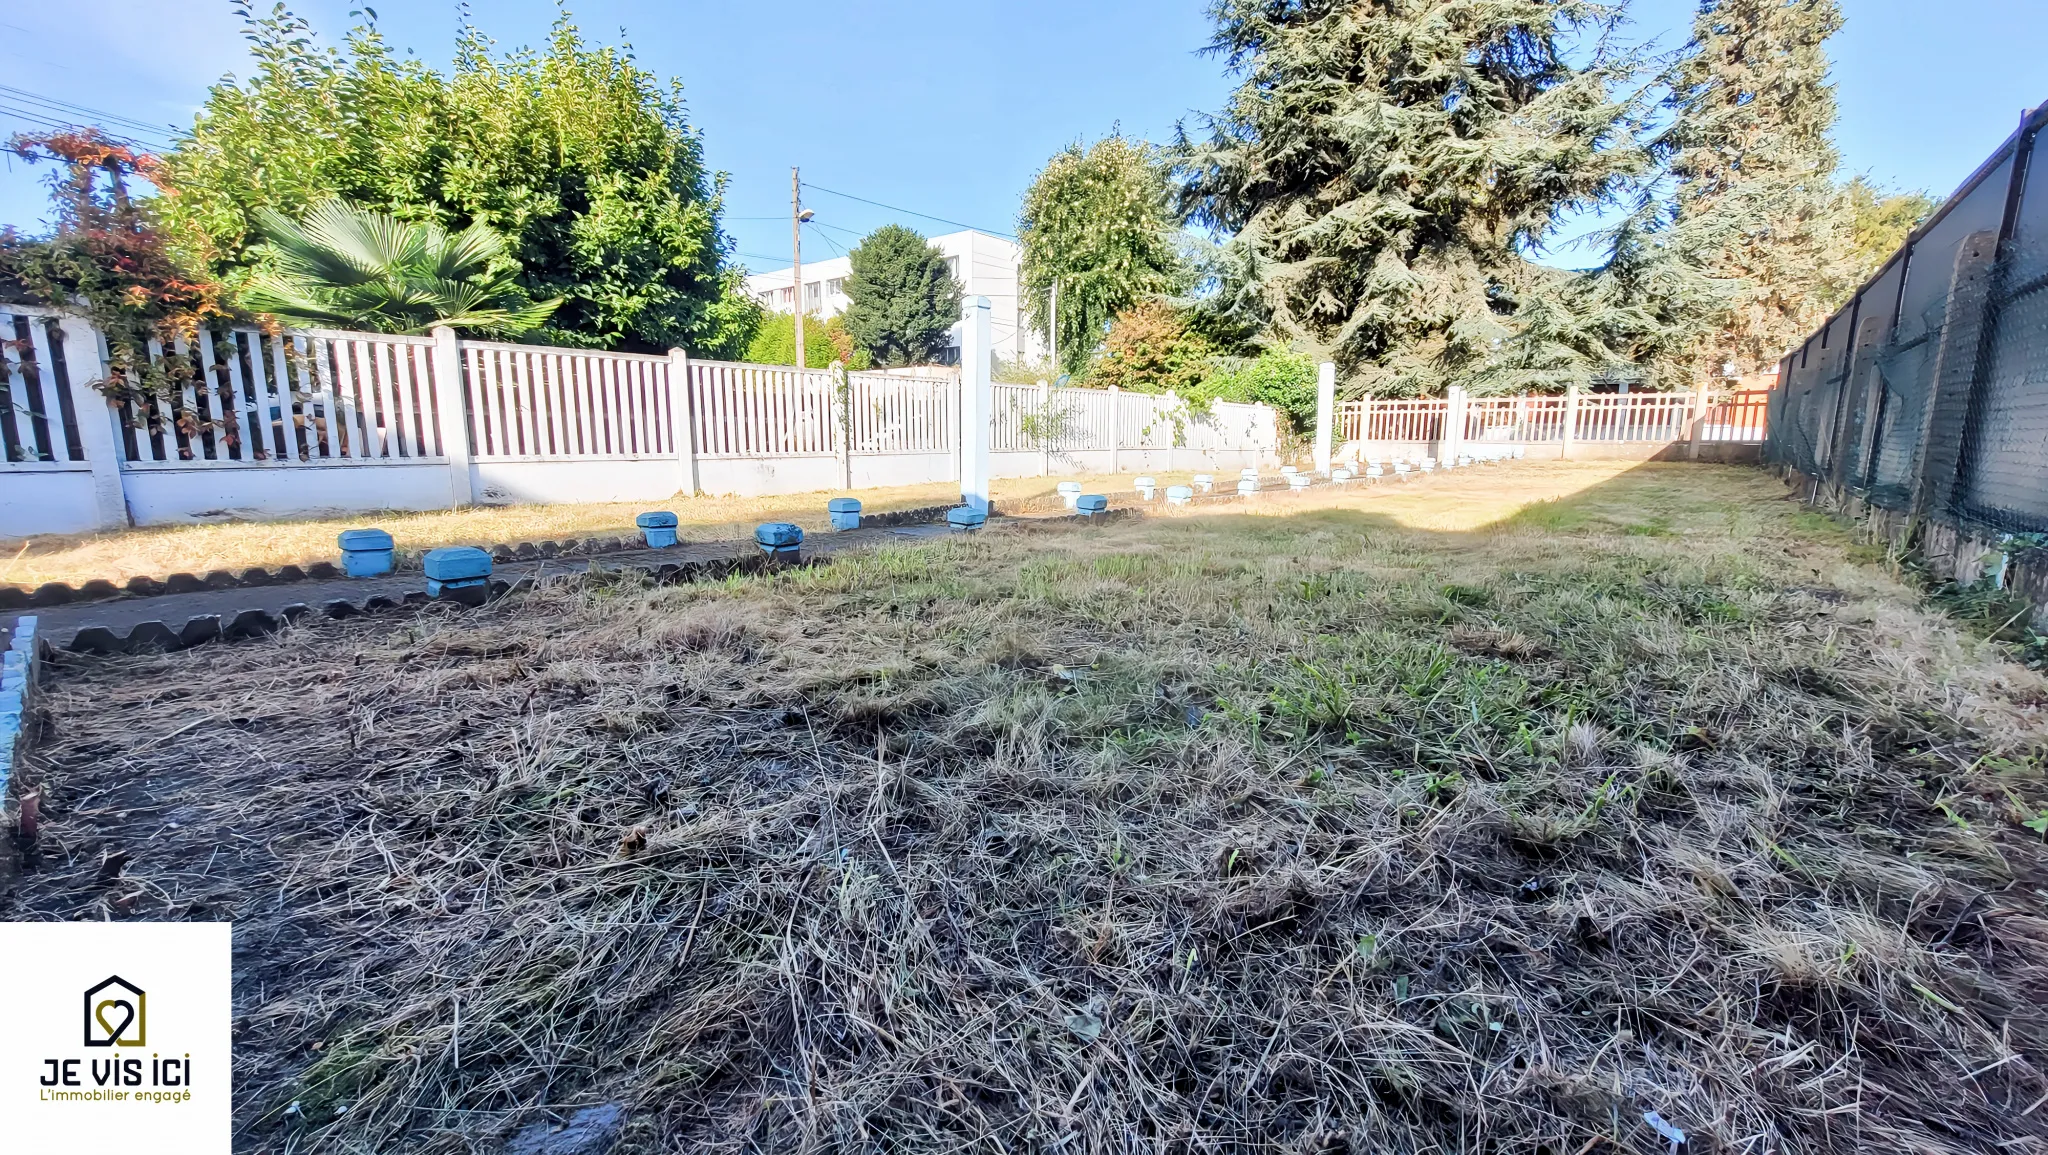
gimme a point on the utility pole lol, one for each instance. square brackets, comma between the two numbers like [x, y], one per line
[796, 255]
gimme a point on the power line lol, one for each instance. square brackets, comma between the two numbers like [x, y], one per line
[166, 132]
[44, 121]
[828, 240]
[910, 212]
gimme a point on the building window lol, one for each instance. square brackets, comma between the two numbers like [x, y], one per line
[953, 267]
[811, 296]
[835, 287]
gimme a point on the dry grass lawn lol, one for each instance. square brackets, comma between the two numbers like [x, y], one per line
[155, 552]
[239, 545]
[1488, 816]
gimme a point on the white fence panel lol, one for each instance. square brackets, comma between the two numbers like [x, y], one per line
[761, 410]
[891, 414]
[38, 425]
[1633, 416]
[1019, 418]
[525, 402]
[1514, 419]
[1078, 420]
[240, 397]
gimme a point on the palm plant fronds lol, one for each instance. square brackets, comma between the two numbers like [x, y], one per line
[353, 267]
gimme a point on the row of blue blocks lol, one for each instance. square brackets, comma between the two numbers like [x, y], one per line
[463, 572]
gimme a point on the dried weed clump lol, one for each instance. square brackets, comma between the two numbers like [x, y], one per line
[1298, 832]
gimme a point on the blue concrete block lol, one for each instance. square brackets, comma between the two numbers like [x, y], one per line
[779, 539]
[457, 563]
[1091, 504]
[657, 528]
[365, 552]
[844, 512]
[966, 518]
[1179, 494]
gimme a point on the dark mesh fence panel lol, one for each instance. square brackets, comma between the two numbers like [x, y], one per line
[1937, 401]
[2005, 459]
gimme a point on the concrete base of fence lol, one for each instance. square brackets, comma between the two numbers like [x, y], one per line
[1951, 551]
[1719, 452]
[184, 494]
[49, 501]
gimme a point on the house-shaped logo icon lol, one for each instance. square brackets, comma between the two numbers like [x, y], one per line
[116, 1014]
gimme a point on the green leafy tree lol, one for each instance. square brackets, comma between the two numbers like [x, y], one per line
[350, 267]
[1880, 220]
[1385, 166]
[582, 159]
[1099, 222]
[1151, 348]
[903, 298]
[1757, 209]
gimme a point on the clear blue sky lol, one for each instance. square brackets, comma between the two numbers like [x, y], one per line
[949, 108]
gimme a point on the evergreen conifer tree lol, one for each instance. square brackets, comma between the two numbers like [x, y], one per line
[1756, 207]
[903, 298]
[1385, 166]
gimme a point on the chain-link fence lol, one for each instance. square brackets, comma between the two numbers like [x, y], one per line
[1928, 393]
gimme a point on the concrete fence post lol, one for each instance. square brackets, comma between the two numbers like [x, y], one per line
[1702, 399]
[1326, 404]
[1045, 427]
[976, 397]
[1937, 458]
[682, 428]
[451, 408]
[1571, 423]
[1453, 440]
[1116, 429]
[842, 421]
[84, 363]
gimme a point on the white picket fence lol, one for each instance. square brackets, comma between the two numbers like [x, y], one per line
[1574, 424]
[244, 423]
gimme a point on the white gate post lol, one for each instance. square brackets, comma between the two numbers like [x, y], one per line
[451, 410]
[1326, 403]
[84, 364]
[976, 397]
[682, 430]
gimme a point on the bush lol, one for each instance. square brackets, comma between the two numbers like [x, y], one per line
[1151, 349]
[825, 341]
[1284, 380]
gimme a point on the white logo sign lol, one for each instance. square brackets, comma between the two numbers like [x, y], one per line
[118, 1037]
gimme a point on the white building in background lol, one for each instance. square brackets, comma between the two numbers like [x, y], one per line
[985, 266]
